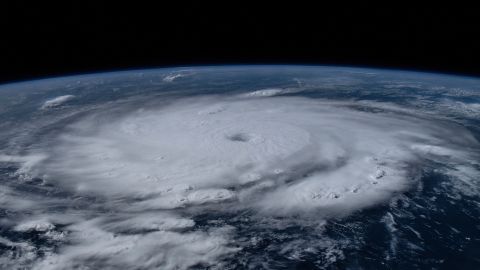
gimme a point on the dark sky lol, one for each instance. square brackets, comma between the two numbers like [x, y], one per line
[39, 41]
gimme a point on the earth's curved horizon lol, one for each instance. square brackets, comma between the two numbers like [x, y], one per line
[241, 167]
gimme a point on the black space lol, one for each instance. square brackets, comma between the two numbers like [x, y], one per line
[40, 41]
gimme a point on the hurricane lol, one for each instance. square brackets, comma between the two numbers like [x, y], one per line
[266, 176]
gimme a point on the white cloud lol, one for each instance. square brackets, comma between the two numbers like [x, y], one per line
[57, 101]
[35, 225]
[175, 75]
[267, 92]
[97, 248]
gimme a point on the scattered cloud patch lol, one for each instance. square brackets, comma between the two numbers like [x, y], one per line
[58, 101]
[176, 75]
[267, 92]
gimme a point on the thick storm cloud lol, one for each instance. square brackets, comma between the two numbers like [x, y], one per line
[135, 182]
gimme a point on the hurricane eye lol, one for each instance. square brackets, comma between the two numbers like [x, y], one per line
[239, 137]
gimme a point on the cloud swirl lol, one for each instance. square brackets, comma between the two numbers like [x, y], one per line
[138, 180]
